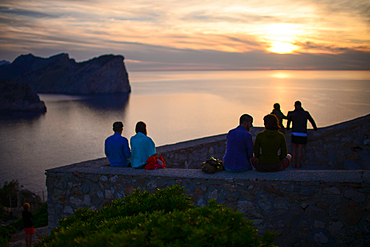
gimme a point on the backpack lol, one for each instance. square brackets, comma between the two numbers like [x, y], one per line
[212, 166]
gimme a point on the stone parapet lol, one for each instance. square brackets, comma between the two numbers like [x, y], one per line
[307, 208]
[340, 146]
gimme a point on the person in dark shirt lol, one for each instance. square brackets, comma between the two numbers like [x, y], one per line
[299, 118]
[27, 223]
[277, 112]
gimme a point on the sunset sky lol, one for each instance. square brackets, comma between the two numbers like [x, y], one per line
[208, 34]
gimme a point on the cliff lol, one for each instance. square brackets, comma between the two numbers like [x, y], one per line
[60, 74]
[15, 96]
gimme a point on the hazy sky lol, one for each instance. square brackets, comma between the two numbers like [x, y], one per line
[201, 34]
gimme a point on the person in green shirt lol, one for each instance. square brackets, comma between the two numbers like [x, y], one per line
[267, 157]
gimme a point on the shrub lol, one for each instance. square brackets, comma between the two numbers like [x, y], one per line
[6, 233]
[165, 218]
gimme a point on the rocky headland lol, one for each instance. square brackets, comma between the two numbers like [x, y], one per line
[15, 96]
[60, 74]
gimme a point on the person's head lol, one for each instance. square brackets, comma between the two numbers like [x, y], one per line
[298, 104]
[141, 127]
[277, 106]
[246, 121]
[26, 206]
[271, 122]
[118, 127]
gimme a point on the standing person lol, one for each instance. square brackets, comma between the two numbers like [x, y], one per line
[299, 118]
[267, 146]
[27, 223]
[116, 147]
[239, 146]
[277, 112]
[142, 146]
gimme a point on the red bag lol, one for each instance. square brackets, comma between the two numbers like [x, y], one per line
[154, 162]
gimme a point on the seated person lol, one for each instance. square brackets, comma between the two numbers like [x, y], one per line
[239, 146]
[116, 147]
[267, 145]
[142, 146]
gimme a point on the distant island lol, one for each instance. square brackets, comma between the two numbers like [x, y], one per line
[60, 74]
[15, 96]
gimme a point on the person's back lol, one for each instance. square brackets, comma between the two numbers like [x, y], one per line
[267, 145]
[142, 146]
[116, 147]
[277, 112]
[239, 147]
[299, 118]
[270, 141]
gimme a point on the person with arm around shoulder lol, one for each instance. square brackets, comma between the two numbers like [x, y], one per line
[27, 223]
[267, 145]
[116, 147]
[277, 112]
[239, 146]
[142, 146]
[299, 118]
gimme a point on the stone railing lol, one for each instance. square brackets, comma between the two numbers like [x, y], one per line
[340, 146]
[306, 207]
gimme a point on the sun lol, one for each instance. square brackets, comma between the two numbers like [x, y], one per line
[280, 37]
[282, 47]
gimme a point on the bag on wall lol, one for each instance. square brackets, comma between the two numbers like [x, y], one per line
[154, 162]
[212, 166]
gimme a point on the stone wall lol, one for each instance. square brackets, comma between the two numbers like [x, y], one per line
[342, 146]
[307, 208]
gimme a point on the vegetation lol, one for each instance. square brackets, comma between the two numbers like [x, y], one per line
[165, 218]
[8, 198]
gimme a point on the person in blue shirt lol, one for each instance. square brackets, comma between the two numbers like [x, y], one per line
[239, 146]
[142, 146]
[116, 147]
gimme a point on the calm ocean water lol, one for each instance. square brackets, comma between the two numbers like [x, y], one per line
[176, 106]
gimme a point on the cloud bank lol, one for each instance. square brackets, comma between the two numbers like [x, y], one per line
[172, 34]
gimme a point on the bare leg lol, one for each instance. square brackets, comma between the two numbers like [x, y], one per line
[300, 155]
[27, 244]
[294, 146]
[30, 240]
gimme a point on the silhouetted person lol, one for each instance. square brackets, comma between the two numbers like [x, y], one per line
[142, 146]
[27, 223]
[267, 145]
[239, 146]
[116, 147]
[299, 118]
[277, 112]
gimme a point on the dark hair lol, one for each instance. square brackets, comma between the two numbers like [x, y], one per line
[117, 126]
[298, 104]
[277, 106]
[245, 118]
[271, 122]
[140, 127]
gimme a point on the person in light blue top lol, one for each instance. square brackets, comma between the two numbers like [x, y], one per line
[142, 146]
[116, 147]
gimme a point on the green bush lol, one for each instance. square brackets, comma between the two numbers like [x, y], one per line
[6, 233]
[165, 218]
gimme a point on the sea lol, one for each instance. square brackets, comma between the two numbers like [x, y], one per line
[176, 106]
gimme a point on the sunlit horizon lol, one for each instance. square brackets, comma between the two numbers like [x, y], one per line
[178, 35]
